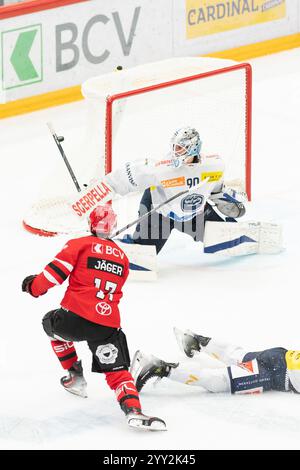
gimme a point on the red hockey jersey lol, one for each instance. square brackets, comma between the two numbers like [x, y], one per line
[97, 269]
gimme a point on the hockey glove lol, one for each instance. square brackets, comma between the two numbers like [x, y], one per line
[26, 284]
[229, 202]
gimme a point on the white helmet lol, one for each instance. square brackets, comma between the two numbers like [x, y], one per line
[185, 143]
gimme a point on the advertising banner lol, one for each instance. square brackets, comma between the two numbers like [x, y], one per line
[211, 26]
[214, 16]
[62, 47]
[55, 45]
[23, 65]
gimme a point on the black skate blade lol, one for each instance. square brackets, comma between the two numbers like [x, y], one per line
[77, 393]
[180, 336]
[135, 367]
[152, 424]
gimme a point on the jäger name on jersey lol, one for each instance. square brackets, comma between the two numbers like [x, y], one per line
[105, 265]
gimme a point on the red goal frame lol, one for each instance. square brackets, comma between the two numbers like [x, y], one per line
[248, 113]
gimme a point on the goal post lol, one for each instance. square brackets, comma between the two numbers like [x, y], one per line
[246, 107]
[132, 114]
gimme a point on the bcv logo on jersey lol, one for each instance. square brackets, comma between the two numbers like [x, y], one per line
[108, 250]
[192, 202]
[97, 248]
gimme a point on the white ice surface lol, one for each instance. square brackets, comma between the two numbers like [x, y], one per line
[252, 301]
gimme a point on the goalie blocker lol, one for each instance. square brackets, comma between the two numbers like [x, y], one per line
[245, 238]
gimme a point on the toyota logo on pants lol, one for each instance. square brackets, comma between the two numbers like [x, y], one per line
[103, 308]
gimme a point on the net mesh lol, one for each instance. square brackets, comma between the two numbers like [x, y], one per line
[142, 120]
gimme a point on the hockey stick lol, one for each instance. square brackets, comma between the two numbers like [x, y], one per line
[139, 219]
[58, 140]
[181, 193]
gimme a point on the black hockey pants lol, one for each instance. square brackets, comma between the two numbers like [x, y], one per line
[156, 229]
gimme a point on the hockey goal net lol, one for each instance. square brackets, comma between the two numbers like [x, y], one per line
[133, 113]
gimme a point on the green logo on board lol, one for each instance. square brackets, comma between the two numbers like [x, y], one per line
[22, 58]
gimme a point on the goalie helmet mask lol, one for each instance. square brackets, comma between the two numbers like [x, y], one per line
[186, 146]
[103, 221]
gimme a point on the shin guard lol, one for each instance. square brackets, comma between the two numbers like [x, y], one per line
[123, 385]
[65, 352]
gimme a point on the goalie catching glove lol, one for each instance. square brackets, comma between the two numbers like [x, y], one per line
[229, 202]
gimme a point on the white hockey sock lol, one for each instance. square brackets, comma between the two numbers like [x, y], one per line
[225, 352]
[191, 373]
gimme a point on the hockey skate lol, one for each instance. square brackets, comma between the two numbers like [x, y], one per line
[190, 342]
[136, 419]
[75, 382]
[145, 367]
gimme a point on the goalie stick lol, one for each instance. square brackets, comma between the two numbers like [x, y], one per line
[142, 258]
[181, 193]
[58, 140]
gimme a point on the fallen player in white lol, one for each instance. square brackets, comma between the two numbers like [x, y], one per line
[232, 369]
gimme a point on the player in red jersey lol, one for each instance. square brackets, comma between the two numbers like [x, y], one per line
[97, 269]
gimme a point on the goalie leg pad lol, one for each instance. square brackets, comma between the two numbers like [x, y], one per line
[245, 238]
[142, 259]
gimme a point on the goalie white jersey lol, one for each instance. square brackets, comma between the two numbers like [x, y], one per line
[165, 180]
